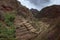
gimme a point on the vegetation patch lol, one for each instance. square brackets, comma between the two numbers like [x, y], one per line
[9, 19]
[7, 32]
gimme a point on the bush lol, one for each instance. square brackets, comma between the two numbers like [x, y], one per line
[7, 33]
[9, 19]
[0, 24]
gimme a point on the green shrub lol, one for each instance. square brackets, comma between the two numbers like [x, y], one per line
[9, 19]
[7, 33]
[0, 24]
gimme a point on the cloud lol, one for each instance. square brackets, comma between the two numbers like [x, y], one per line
[55, 2]
[27, 4]
[38, 4]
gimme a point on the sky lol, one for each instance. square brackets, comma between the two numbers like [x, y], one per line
[39, 4]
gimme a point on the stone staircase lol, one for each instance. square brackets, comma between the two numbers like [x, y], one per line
[24, 30]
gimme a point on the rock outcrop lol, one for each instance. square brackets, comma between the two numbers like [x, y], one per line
[34, 12]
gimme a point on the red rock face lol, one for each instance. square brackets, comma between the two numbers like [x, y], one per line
[6, 8]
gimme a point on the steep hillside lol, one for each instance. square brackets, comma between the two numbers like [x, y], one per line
[50, 12]
[19, 23]
[15, 21]
[50, 17]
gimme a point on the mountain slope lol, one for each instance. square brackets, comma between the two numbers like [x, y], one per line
[11, 15]
[51, 17]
